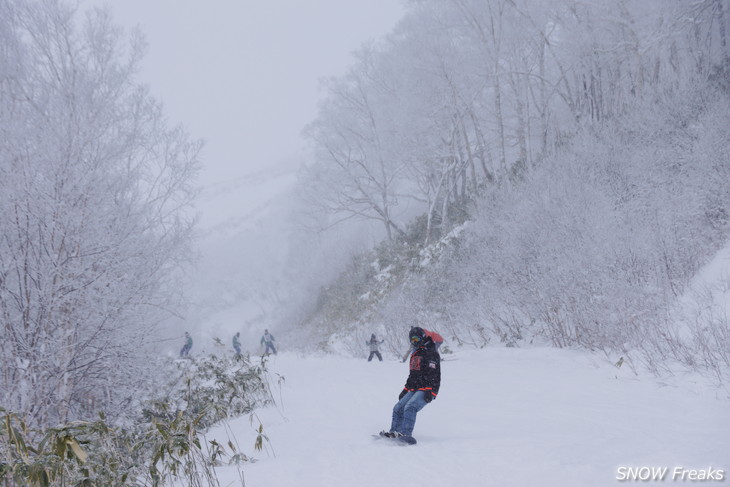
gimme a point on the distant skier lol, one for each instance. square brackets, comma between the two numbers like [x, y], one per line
[268, 340]
[237, 343]
[438, 340]
[185, 351]
[421, 387]
[374, 342]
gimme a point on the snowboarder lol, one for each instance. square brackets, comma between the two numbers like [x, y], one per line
[185, 351]
[268, 340]
[438, 340]
[421, 387]
[237, 343]
[374, 348]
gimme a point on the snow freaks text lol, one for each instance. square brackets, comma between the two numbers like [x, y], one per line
[658, 474]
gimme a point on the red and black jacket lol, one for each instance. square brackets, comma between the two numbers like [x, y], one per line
[425, 368]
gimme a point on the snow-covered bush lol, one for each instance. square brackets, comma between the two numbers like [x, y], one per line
[212, 389]
[164, 444]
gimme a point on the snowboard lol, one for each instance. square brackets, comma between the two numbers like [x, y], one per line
[401, 440]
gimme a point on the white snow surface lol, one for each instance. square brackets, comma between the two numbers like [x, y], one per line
[504, 417]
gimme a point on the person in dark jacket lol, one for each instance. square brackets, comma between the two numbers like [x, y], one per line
[268, 340]
[185, 352]
[422, 385]
[237, 343]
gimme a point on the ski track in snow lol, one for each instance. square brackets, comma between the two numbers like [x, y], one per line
[504, 417]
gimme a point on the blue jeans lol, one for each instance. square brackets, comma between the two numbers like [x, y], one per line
[405, 410]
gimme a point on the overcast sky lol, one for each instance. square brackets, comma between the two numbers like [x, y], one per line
[243, 74]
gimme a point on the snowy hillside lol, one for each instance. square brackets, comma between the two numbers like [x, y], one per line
[243, 241]
[708, 298]
[504, 417]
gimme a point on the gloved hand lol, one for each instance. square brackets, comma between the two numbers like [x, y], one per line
[428, 396]
[403, 393]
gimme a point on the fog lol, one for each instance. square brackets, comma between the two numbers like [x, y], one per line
[245, 77]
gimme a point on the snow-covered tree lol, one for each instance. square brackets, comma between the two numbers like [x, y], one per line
[570, 133]
[94, 191]
[356, 173]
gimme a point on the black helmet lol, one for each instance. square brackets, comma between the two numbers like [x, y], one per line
[416, 336]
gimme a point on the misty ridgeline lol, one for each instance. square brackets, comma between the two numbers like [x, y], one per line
[538, 172]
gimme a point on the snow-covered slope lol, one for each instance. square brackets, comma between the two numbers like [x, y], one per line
[243, 243]
[707, 298]
[504, 417]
